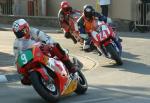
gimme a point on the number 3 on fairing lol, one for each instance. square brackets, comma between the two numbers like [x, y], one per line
[24, 58]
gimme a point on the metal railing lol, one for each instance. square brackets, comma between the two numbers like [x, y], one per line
[6, 7]
[142, 17]
[142, 14]
[23, 7]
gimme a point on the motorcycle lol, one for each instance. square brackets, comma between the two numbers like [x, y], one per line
[48, 76]
[106, 41]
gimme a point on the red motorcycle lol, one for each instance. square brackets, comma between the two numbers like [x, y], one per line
[48, 75]
[105, 39]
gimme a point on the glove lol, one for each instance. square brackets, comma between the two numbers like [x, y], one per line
[45, 48]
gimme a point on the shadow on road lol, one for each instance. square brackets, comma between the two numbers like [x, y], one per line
[122, 91]
[132, 66]
[6, 59]
[130, 55]
[136, 67]
[135, 35]
[95, 94]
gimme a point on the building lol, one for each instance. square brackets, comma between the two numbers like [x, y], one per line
[120, 9]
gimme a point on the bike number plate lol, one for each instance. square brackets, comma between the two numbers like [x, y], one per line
[24, 57]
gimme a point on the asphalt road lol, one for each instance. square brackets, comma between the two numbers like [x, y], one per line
[108, 83]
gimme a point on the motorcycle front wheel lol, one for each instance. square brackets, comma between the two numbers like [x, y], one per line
[114, 54]
[46, 89]
[82, 85]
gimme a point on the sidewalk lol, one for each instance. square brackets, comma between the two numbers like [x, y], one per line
[5, 27]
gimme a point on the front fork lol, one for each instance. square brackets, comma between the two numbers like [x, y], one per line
[118, 46]
[42, 71]
[115, 43]
[102, 50]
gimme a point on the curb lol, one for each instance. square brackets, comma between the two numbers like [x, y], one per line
[44, 30]
[9, 78]
[89, 66]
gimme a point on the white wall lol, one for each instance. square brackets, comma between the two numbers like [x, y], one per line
[122, 9]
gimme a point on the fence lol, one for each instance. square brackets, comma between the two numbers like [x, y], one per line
[23, 7]
[142, 14]
[6, 7]
[142, 17]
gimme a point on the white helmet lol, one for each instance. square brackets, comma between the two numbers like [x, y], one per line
[21, 28]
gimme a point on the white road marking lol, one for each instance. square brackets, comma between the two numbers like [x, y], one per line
[92, 100]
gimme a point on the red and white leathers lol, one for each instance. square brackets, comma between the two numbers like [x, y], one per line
[64, 21]
[64, 18]
[35, 35]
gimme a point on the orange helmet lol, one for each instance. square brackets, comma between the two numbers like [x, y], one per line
[65, 6]
[21, 28]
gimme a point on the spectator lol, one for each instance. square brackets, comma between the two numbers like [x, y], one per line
[104, 6]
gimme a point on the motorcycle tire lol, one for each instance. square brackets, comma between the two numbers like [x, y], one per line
[82, 85]
[114, 55]
[42, 90]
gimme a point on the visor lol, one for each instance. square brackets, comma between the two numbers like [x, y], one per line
[20, 34]
[89, 15]
[67, 9]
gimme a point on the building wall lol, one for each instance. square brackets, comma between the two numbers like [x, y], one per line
[20, 7]
[119, 9]
[122, 9]
[54, 5]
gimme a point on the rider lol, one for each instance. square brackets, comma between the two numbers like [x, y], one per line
[63, 15]
[25, 36]
[86, 24]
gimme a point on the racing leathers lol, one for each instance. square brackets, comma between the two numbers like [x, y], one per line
[85, 26]
[64, 23]
[39, 36]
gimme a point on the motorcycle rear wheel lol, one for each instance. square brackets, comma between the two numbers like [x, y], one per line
[38, 84]
[82, 85]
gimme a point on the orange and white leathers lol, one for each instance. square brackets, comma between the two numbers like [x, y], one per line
[88, 27]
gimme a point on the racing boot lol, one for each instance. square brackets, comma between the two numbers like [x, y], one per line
[61, 54]
[68, 35]
[73, 39]
[119, 39]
